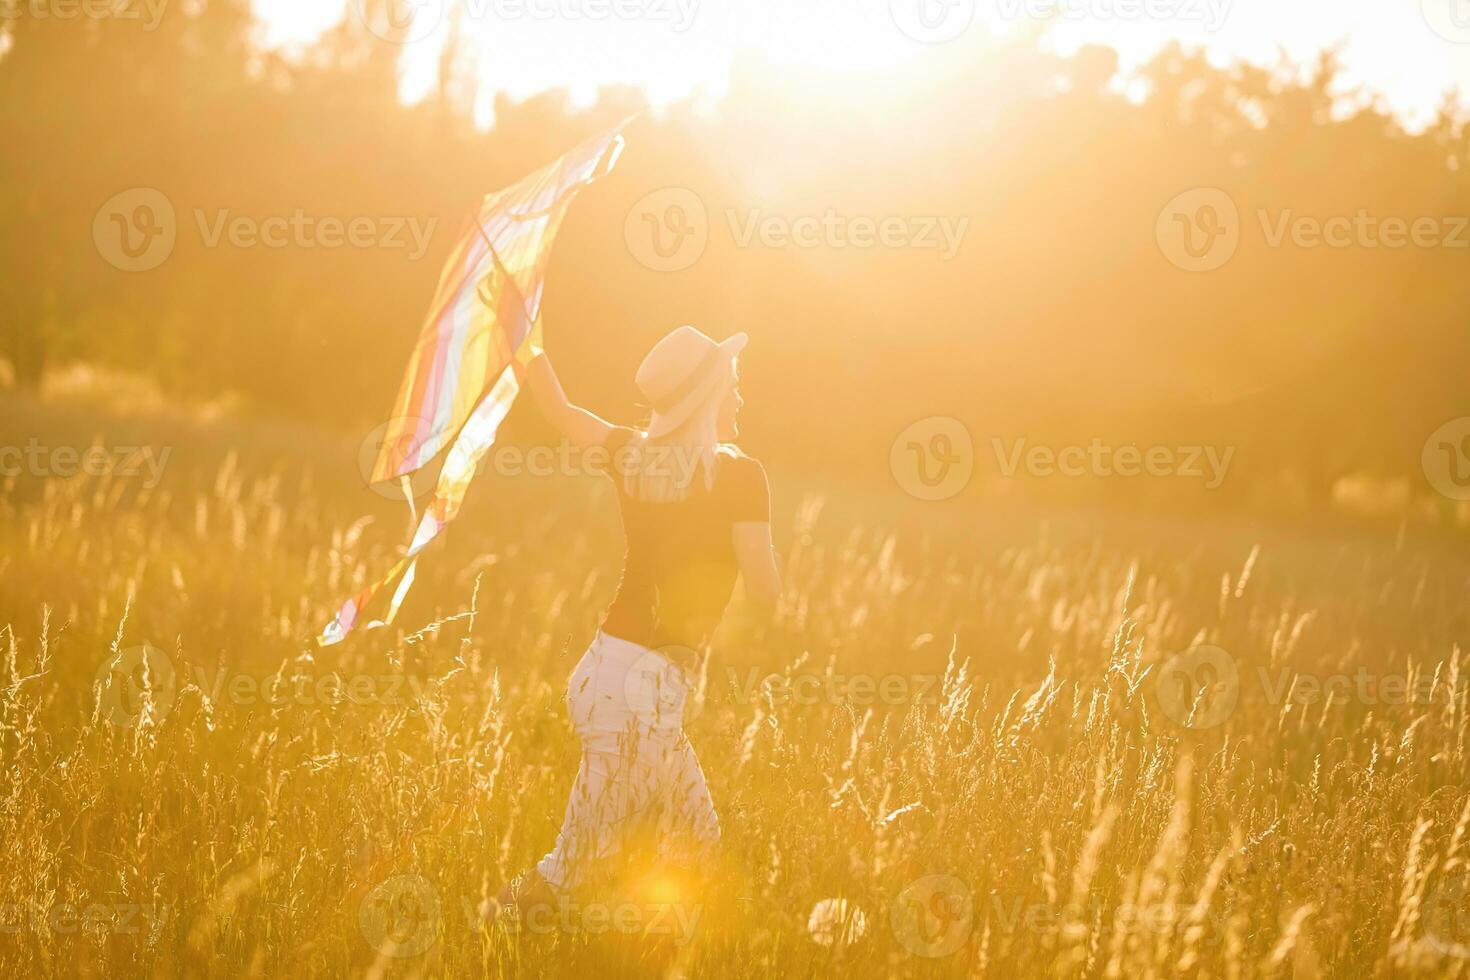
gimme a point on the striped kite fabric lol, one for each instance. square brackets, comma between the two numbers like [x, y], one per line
[460, 383]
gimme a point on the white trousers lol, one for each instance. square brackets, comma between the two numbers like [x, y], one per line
[638, 773]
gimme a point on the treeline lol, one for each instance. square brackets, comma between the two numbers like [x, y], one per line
[979, 239]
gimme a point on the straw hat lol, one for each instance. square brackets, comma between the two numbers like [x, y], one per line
[681, 373]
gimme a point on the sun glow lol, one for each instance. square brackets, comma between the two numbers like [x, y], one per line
[678, 49]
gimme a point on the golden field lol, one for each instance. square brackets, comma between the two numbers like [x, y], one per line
[973, 759]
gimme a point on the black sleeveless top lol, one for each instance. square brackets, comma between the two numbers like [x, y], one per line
[680, 565]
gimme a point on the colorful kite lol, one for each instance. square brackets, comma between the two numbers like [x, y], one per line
[486, 314]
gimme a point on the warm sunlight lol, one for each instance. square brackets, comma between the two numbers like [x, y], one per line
[735, 489]
[674, 49]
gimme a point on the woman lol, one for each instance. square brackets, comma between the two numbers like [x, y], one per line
[695, 513]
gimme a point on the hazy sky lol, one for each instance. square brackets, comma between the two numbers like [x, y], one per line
[1408, 51]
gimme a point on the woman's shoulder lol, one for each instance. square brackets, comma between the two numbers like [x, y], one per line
[735, 466]
[620, 436]
[735, 457]
[741, 479]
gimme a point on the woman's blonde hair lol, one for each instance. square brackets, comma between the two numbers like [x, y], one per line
[665, 469]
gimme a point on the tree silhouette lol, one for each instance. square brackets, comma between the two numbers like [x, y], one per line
[1059, 318]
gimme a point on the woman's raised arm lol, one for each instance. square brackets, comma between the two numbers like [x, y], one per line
[576, 423]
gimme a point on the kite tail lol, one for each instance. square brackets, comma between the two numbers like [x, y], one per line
[474, 440]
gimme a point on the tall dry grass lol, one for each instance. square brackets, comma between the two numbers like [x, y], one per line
[1017, 802]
